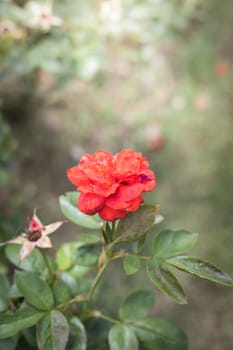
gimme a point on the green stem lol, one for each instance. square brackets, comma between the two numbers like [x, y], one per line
[122, 255]
[51, 274]
[98, 314]
[77, 298]
[96, 281]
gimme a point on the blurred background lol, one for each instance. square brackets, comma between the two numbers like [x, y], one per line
[152, 75]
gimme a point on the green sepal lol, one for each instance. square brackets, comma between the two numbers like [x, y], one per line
[202, 269]
[165, 281]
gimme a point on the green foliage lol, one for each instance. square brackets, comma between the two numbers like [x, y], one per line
[132, 264]
[157, 334]
[56, 297]
[13, 323]
[202, 269]
[134, 226]
[171, 243]
[61, 291]
[69, 208]
[78, 253]
[40, 295]
[4, 292]
[122, 337]
[77, 329]
[137, 305]
[163, 279]
[9, 343]
[53, 332]
[33, 263]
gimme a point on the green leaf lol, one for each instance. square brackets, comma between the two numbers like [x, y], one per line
[134, 226]
[169, 243]
[9, 343]
[64, 256]
[78, 331]
[70, 254]
[34, 262]
[72, 283]
[132, 264]
[30, 335]
[14, 292]
[122, 337]
[72, 212]
[61, 291]
[53, 332]
[24, 318]
[73, 253]
[87, 238]
[160, 334]
[137, 305]
[35, 290]
[138, 245]
[200, 268]
[165, 281]
[5, 287]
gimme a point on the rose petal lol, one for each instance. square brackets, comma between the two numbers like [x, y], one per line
[110, 214]
[90, 203]
[147, 178]
[123, 195]
[77, 177]
[127, 163]
[134, 204]
[26, 249]
[48, 229]
[44, 242]
[103, 190]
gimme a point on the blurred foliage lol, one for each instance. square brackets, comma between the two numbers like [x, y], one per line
[9, 215]
[86, 31]
[11, 196]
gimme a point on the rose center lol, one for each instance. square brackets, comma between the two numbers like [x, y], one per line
[33, 236]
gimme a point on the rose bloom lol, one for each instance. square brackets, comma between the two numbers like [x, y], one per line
[36, 235]
[111, 185]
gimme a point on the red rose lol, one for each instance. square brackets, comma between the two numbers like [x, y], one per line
[111, 185]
